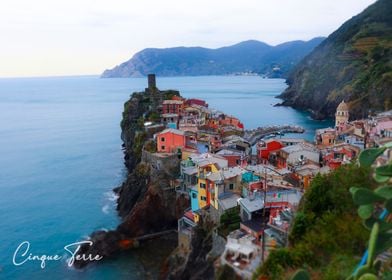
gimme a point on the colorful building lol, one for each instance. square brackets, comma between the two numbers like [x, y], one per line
[194, 101]
[326, 136]
[291, 156]
[170, 140]
[231, 121]
[206, 164]
[341, 116]
[234, 157]
[265, 148]
[172, 107]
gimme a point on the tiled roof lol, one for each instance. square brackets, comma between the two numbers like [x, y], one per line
[299, 147]
[172, 130]
[179, 102]
[207, 158]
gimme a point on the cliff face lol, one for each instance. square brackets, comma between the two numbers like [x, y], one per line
[195, 264]
[354, 63]
[147, 202]
[248, 56]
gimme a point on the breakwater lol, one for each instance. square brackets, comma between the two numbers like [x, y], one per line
[254, 135]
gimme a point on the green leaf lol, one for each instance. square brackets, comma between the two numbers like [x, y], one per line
[368, 276]
[388, 205]
[388, 145]
[367, 157]
[385, 170]
[381, 179]
[384, 191]
[365, 211]
[363, 196]
[301, 274]
[353, 190]
[372, 244]
[361, 271]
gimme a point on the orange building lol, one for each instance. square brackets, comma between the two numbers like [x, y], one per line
[231, 121]
[326, 136]
[170, 140]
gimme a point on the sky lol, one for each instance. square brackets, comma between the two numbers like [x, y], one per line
[82, 37]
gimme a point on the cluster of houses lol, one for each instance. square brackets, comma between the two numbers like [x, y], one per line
[219, 173]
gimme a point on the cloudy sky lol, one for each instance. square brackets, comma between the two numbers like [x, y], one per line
[73, 37]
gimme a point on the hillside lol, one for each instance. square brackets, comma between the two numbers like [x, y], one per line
[354, 63]
[327, 236]
[249, 56]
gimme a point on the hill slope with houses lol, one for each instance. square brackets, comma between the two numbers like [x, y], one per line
[192, 171]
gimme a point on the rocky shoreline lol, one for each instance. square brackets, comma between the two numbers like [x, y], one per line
[146, 203]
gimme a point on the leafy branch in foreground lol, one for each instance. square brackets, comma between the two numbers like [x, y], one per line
[374, 207]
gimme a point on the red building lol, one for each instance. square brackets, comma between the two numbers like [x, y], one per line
[265, 148]
[234, 157]
[337, 156]
[172, 107]
[194, 101]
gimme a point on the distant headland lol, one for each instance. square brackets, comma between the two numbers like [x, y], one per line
[245, 58]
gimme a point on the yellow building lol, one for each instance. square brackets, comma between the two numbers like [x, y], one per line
[207, 164]
[203, 185]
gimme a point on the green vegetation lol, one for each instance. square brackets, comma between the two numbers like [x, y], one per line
[249, 56]
[226, 273]
[374, 206]
[169, 94]
[154, 117]
[327, 235]
[150, 146]
[229, 221]
[354, 63]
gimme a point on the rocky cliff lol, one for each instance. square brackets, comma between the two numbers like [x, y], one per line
[353, 64]
[147, 202]
[249, 56]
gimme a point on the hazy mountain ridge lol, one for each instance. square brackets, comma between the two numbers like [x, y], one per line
[248, 56]
[354, 63]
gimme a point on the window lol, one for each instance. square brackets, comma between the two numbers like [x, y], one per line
[202, 186]
[194, 195]
[203, 198]
[231, 186]
[237, 161]
[162, 147]
[162, 139]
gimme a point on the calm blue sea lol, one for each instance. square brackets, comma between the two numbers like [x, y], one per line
[60, 157]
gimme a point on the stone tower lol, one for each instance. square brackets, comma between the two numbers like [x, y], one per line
[342, 115]
[151, 81]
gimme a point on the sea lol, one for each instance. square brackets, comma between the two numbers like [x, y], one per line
[61, 156]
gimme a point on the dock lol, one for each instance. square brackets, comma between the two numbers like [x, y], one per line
[254, 135]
